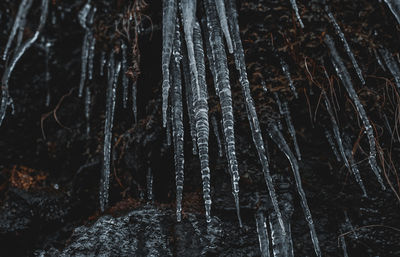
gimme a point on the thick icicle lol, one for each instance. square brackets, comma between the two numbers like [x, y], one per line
[278, 138]
[225, 95]
[296, 10]
[88, 102]
[394, 6]
[262, 232]
[5, 97]
[189, 101]
[214, 124]
[125, 79]
[169, 19]
[250, 107]
[328, 136]
[177, 121]
[224, 23]
[113, 73]
[345, 77]
[391, 64]
[346, 45]
[285, 69]
[201, 117]
[19, 25]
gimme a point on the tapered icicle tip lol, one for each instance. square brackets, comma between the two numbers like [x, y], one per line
[237, 205]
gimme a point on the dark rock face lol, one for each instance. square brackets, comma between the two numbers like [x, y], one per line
[149, 231]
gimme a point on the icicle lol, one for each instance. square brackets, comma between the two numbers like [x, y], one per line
[262, 232]
[328, 136]
[92, 46]
[285, 69]
[392, 65]
[189, 101]
[149, 183]
[102, 62]
[201, 117]
[169, 19]
[345, 77]
[214, 124]
[19, 25]
[168, 128]
[379, 60]
[224, 23]
[343, 245]
[88, 100]
[278, 138]
[353, 165]
[250, 107]
[86, 18]
[113, 73]
[84, 59]
[296, 10]
[292, 131]
[346, 45]
[5, 97]
[225, 96]
[134, 101]
[394, 6]
[125, 79]
[47, 49]
[177, 120]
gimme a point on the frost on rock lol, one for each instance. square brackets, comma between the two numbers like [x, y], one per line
[296, 10]
[201, 117]
[19, 51]
[346, 45]
[113, 73]
[345, 78]
[225, 95]
[169, 19]
[177, 120]
[262, 233]
[278, 138]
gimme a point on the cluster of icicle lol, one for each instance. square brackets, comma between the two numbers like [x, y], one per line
[187, 53]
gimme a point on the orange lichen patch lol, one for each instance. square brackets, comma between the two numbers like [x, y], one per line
[26, 178]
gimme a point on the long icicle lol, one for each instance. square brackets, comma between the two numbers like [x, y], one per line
[18, 25]
[286, 71]
[5, 96]
[224, 23]
[250, 107]
[328, 136]
[225, 95]
[177, 120]
[189, 101]
[201, 117]
[345, 78]
[262, 233]
[346, 45]
[296, 10]
[169, 19]
[345, 156]
[278, 138]
[113, 73]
